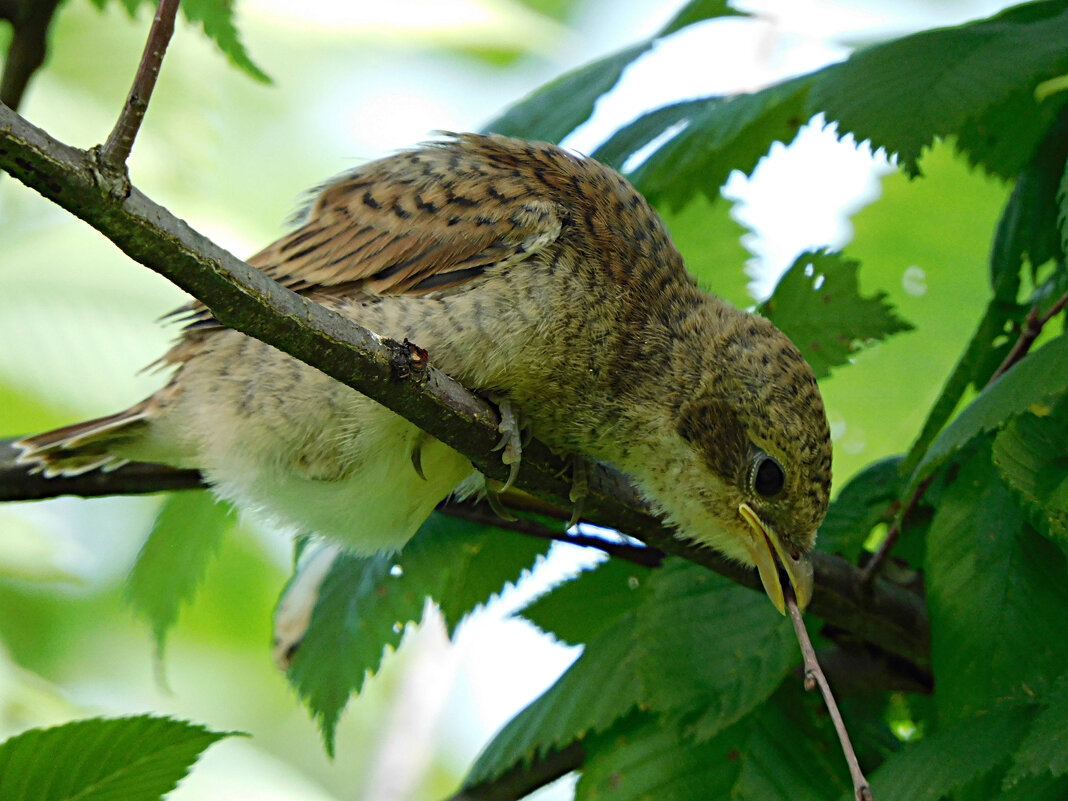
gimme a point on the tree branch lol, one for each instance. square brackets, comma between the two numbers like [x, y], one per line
[636, 554]
[525, 779]
[29, 45]
[1032, 327]
[136, 478]
[398, 376]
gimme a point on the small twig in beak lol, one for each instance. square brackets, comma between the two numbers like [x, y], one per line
[814, 677]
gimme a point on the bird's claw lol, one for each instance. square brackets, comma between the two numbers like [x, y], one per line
[494, 500]
[417, 455]
[511, 441]
[580, 487]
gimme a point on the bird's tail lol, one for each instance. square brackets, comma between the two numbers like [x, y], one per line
[79, 448]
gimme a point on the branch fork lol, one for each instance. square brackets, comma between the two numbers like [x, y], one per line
[109, 160]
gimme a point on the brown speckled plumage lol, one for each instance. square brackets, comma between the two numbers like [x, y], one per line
[529, 273]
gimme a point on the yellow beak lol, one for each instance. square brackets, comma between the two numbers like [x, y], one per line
[768, 554]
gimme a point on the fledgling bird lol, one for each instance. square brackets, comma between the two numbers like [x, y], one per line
[537, 277]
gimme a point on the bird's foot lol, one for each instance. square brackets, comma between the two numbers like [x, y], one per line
[580, 488]
[511, 442]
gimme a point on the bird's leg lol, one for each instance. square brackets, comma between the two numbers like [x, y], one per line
[511, 442]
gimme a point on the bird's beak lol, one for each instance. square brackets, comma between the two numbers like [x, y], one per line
[768, 554]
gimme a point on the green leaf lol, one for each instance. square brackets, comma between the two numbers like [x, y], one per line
[657, 656]
[971, 368]
[1034, 380]
[1031, 454]
[781, 752]
[579, 609]
[860, 506]
[217, 19]
[904, 94]
[1003, 137]
[996, 592]
[934, 766]
[982, 788]
[554, 110]
[721, 135]
[349, 630]
[709, 650]
[699, 11]
[636, 135]
[365, 602]
[818, 305]
[792, 753]
[174, 558]
[1043, 750]
[559, 10]
[599, 688]
[467, 565]
[870, 716]
[1029, 226]
[131, 6]
[647, 758]
[124, 759]
[1028, 229]
[1062, 209]
[1037, 789]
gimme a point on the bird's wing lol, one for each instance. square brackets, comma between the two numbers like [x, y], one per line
[421, 221]
[387, 238]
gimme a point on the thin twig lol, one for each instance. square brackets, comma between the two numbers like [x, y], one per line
[26, 52]
[637, 554]
[814, 677]
[1032, 328]
[114, 152]
[879, 557]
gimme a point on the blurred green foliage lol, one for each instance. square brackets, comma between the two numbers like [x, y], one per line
[365, 603]
[684, 689]
[216, 17]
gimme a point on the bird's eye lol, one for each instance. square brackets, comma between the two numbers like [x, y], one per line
[767, 476]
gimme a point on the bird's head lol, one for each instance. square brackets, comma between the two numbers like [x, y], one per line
[755, 476]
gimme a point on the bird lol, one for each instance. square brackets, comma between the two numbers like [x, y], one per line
[535, 276]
